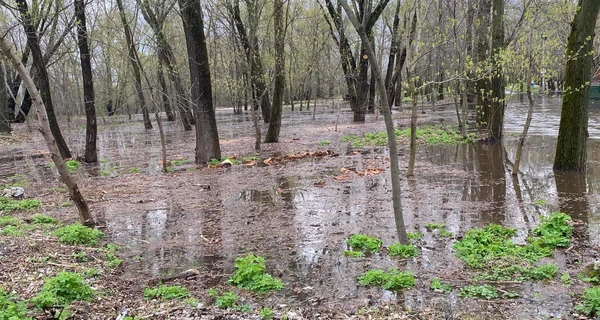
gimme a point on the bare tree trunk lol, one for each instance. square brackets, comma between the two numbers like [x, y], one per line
[43, 80]
[413, 133]
[4, 98]
[91, 153]
[207, 136]
[277, 107]
[515, 170]
[84, 211]
[389, 125]
[164, 93]
[133, 58]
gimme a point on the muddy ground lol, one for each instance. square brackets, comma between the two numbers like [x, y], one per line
[298, 215]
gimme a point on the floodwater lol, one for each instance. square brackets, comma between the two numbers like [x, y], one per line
[298, 216]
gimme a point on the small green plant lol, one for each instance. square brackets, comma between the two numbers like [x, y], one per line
[11, 308]
[226, 300]
[392, 280]
[7, 204]
[484, 291]
[434, 226]
[66, 204]
[63, 289]
[111, 247]
[178, 162]
[11, 231]
[135, 170]
[540, 202]
[250, 274]
[364, 243]
[403, 251]
[78, 234]
[105, 173]
[43, 219]
[414, 235]
[266, 313]
[591, 302]
[166, 292]
[80, 256]
[324, 143]
[353, 254]
[192, 302]
[59, 189]
[251, 158]
[565, 278]
[91, 273]
[543, 272]
[445, 233]
[72, 165]
[439, 286]
[112, 261]
[9, 221]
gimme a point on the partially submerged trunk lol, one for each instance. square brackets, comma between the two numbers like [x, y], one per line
[91, 154]
[44, 128]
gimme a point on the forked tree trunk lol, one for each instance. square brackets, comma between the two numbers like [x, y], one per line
[389, 126]
[573, 131]
[91, 154]
[84, 211]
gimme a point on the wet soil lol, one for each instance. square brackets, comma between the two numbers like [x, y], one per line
[298, 214]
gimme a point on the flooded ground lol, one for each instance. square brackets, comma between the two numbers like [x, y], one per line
[298, 216]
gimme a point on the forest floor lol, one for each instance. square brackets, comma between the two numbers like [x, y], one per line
[296, 203]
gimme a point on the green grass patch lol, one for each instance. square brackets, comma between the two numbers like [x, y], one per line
[403, 251]
[12, 231]
[430, 135]
[392, 280]
[591, 302]
[7, 204]
[364, 243]
[43, 219]
[72, 165]
[11, 308]
[353, 254]
[224, 301]
[166, 292]
[266, 313]
[135, 170]
[437, 285]
[435, 226]
[178, 162]
[484, 291]
[414, 235]
[9, 221]
[250, 274]
[63, 289]
[78, 234]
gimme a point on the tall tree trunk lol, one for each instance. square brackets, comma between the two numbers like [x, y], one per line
[82, 207]
[133, 58]
[91, 154]
[207, 137]
[4, 98]
[43, 80]
[573, 131]
[276, 109]
[517, 163]
[497, 103]
[483, 53]
[389, 126]
[392, 58]
[164, 93]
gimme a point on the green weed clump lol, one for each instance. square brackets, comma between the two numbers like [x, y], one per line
[266, 313]
[364, 243]
[9, 221]
[224, 301]
[414, 235]
[11, 308]
[250, 274]
[11, 231]
[135, 170]
[403, 251]
[63, 289]
[43, 219]
[78, 234]
[430, 135]
[392, 280]
[178, 162]
[166, 292]
[72, 165]
[591, 302]
[7, 204]
[484, 291]
[437, 285]
[353, 254]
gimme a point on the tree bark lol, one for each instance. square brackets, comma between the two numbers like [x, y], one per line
[389, 126]
[164, 93]
[571, 150]
[515, 170]
[497, 103]
[43, 80]
[91, 153]
[82, 207]
[4, 98]
[483, 45]
[277, 107]
[207, 137]
[133, 58]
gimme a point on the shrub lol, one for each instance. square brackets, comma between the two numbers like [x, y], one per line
[591, 302]
[78, 234]
[250, 274]
[166, 292]
[63, 289]
[404, 251]
[361, 242]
